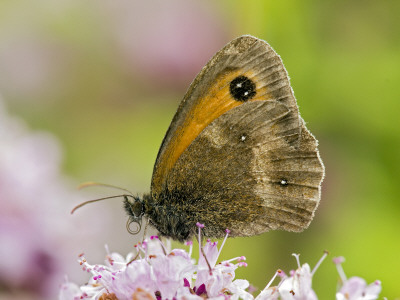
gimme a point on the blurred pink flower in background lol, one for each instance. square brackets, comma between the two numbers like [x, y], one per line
[36, 235]
[29, 65]
[29, 189]
[33, 62]
[79, 52]
[166, 42]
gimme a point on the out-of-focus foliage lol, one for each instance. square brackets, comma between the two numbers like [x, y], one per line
[105, 77]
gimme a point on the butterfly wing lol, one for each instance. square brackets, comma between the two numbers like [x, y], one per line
[237, 155]
[209, 96]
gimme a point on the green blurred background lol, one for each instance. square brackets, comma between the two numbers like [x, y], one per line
[106, 77]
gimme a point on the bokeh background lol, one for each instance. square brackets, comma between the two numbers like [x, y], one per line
[88, 89]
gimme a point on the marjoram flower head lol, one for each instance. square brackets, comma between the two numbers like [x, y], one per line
[156, 272]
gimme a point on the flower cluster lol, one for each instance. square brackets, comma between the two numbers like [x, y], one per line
[154, 272]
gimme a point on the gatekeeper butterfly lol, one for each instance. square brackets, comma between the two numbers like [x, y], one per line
[237, 154]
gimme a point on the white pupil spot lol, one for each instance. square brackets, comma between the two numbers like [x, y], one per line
[239, 85]
[246, 93]
[283, 182]
[242, 138]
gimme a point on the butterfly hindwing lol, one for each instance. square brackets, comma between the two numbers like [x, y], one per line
[233, 171]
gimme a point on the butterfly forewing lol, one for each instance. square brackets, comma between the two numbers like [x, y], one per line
[210, 96]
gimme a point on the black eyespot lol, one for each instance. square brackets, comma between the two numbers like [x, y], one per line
[242, 88]
[283, 182]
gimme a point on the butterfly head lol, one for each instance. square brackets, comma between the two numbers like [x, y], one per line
[134, 207]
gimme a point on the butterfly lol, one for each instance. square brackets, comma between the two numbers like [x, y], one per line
[237, 154]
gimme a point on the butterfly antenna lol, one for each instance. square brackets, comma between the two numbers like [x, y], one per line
[96, 200]
[93, 183]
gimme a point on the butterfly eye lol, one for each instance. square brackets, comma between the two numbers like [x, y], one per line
[242, 88]
[137, 209]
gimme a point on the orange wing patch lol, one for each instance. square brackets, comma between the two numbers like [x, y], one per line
[217, 101]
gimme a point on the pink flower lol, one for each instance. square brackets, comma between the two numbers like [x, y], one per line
[155, 272]
[69, 290]
[355, 288]
[170, 271]
[160, 275]
[299, 285]
[271, 293]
